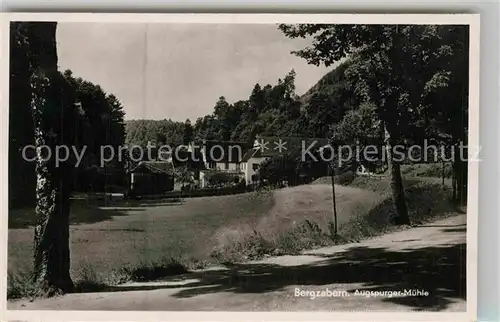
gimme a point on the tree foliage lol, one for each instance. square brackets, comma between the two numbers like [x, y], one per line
[96, 119]
[51, 111]
[140, 132]
[400, 69]
[280, 169]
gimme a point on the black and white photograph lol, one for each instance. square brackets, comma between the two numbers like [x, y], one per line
[238, 165]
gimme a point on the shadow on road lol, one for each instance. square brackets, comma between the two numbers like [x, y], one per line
[437, 270]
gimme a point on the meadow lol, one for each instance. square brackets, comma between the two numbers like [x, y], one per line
[115, 242]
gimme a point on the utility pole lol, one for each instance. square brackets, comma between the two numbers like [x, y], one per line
[334, 201]
[334, 205]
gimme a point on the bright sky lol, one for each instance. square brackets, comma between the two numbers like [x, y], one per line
[179, 71]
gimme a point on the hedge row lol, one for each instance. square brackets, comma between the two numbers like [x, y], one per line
[205, 192]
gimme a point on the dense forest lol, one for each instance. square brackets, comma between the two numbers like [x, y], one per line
[89, 117]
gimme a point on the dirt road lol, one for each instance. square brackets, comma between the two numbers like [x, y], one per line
[426, 261]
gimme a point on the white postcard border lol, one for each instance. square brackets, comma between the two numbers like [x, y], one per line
[473, 169]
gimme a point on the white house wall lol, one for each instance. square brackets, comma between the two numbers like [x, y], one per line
[248, 168]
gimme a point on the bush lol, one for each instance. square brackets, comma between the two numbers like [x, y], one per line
[203, 192]
[88, 280]
[242, 246]
[239, 246]
[20, 285]
[306, 235]
[344, 178]
[153, 271]
[426, 170]
[207, 192]
[426, 201]
[221, 178]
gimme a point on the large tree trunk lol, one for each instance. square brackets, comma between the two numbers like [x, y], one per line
[22, 181]
[397, 189]
[454, 182]
[460, 174]
[51, 242]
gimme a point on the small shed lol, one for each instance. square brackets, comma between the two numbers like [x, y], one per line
[151, 178]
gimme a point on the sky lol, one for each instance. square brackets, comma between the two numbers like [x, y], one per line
[178, 71]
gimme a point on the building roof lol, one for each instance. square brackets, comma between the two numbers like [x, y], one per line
[154, 167]
[225, 151]
[191, 159]
[269, 146]
[252, 153]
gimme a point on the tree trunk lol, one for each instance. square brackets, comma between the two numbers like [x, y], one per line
[454, 179]
[397, 190]
[442, 173]
[461, 181]
[51, 242]
[459, 171]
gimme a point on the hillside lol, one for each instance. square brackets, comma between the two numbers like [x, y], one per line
[333, 78]
[270, 110]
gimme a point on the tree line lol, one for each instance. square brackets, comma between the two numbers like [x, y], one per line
[270, 110]
[87, 116]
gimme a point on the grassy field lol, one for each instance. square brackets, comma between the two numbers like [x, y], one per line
[200, 231]
[132, 234]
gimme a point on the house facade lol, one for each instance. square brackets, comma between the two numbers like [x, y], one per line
[223, 156]
[250, 166]
[265, 148]
[151, 178]
[240, 159]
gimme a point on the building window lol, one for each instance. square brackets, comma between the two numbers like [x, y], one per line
[238, 166]
[212, 165]
[255, 166]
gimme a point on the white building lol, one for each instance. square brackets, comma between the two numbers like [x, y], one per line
[244, 160]
[222, 156]
[250, 164]
[265, 148]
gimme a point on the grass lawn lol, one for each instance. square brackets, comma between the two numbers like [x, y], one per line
[132, 234]
[129, 234]
[105, 239]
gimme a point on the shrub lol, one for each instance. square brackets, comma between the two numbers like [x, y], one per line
[20, 285]
[426, 170]
[153, 271]
[306, 235]
[344, 178]
[426, 201]
[221, 178]
[239, 246]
